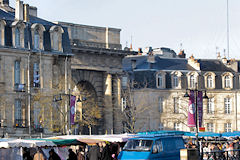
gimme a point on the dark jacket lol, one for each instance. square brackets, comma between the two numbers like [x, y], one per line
[72, 156]
[94, 153]
[106, 153]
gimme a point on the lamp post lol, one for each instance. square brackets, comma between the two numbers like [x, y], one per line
[68, 111]
[196, 95]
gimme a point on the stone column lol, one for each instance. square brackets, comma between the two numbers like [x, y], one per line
[117, 104]
[108, 106]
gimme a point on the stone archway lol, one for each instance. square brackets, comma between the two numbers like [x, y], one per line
[88, 112]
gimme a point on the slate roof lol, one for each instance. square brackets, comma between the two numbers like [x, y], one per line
[213, 65]
[173, 64]
[9, 18]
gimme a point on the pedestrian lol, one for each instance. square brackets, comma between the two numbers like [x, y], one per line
[71, 155]
[53, 155]
[105, 152]
[26, 154]
[38, 155]
[80, 154]
[94, 153]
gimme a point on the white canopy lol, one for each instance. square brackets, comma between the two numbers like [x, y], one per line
[25, 143]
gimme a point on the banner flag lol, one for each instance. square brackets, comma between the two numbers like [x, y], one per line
[200, 108]
[72, 109]
[191, 110]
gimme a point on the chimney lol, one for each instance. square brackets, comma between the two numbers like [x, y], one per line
[194, 63]
[133, 63]
[140, 51]
[182, 54]
[218, 55]
[19, 10]
[4, 2]
[224, 60]
[26, 13]
[33, 11]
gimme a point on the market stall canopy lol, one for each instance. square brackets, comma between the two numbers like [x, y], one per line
[93, 139]
[25, 143]
[231, 134]
[202, 134]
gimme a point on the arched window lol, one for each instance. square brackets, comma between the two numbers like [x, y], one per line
[36, 39]
[17, 37]
[192, 81]
[227, 81]
[159, 81]
[55, 41]
[209, 81]
[175, 81]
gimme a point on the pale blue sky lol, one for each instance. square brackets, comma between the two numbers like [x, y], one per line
[200, 25]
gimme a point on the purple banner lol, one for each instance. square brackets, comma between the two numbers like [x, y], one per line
[72, 109]
[191, 110]
[200, 108]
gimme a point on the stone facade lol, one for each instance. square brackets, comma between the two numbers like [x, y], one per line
[163, 83]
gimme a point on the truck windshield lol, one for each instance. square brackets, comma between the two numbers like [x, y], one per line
[138, 145]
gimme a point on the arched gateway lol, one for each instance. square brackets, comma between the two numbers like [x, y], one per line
[97, 74]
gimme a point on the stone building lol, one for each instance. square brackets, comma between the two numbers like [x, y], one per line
[34, 55]
[159, 85]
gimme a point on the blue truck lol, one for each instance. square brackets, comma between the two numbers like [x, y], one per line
[159, 146]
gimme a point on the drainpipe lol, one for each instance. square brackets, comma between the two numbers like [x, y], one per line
[236, 128]
[29, 96]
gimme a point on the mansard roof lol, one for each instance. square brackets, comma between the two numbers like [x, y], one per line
[213, 65]
[9, 17]
[172, 64]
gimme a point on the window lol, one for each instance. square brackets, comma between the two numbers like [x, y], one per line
[55, 41]
[210, 127]
[36, 39]
[18, 113]
[176, 104]
[36, 75]
[228, 127]
[124, 103]
[160, 104]
[227, 105]
[227, 81]
[17, 73]
[17, 38]
[124, 82]
[209, 81]
[56, 38]
[175, 81]
[210, 106]
[159, 81]
[192, 81]
[177, 126]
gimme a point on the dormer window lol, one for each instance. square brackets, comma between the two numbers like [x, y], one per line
[56, 38]
[209, 78]
[227, 80]
[17, 38]
[2, 32]
[192, 81]
[36, 39]
[160, 80]
[192, 78]
[37, 36]
[176, 79]
[18, 34]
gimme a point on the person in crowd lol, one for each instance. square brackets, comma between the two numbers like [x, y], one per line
[94, 153]
[105, 152]
[53, 155]
[26, 154]
[236, 148]
[80, 154]
[71, 155]
[38, 155]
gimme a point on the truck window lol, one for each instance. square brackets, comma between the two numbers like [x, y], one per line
[157, 146]
[138, 145]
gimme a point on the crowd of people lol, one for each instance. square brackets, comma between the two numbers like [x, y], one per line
[99, 151]
[218, 150]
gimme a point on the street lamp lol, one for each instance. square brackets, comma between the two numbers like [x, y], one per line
[58, 97]
[196, 92]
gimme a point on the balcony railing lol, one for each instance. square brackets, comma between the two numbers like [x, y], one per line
[19, 87]
[20, 123]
